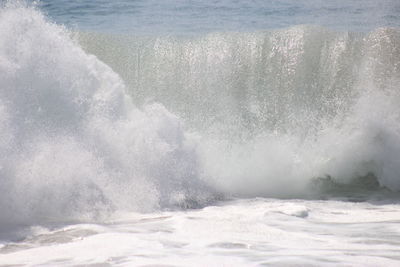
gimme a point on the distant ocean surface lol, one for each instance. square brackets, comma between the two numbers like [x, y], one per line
[196, 16]
[200, 133]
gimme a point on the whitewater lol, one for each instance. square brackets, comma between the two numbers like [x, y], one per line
[263, 147]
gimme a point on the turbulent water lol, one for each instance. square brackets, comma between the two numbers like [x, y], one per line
[169, 149]
[279, 107]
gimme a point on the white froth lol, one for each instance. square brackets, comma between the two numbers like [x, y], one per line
[239, 233]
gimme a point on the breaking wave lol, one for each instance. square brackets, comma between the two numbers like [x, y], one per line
[246, 114]
[73, 146]
[274, 109]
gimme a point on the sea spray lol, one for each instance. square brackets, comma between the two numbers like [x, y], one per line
[275, 109]
[267, 112]
[73, 146]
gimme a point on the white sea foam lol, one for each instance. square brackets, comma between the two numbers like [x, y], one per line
[252, 232]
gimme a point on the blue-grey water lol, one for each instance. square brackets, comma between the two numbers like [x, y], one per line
[194, 16]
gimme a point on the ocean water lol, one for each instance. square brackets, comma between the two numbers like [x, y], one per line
[154, 17]
[200, 133]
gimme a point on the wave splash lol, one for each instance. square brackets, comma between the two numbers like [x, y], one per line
[275, 109]
[267, 113]
[73, 146]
